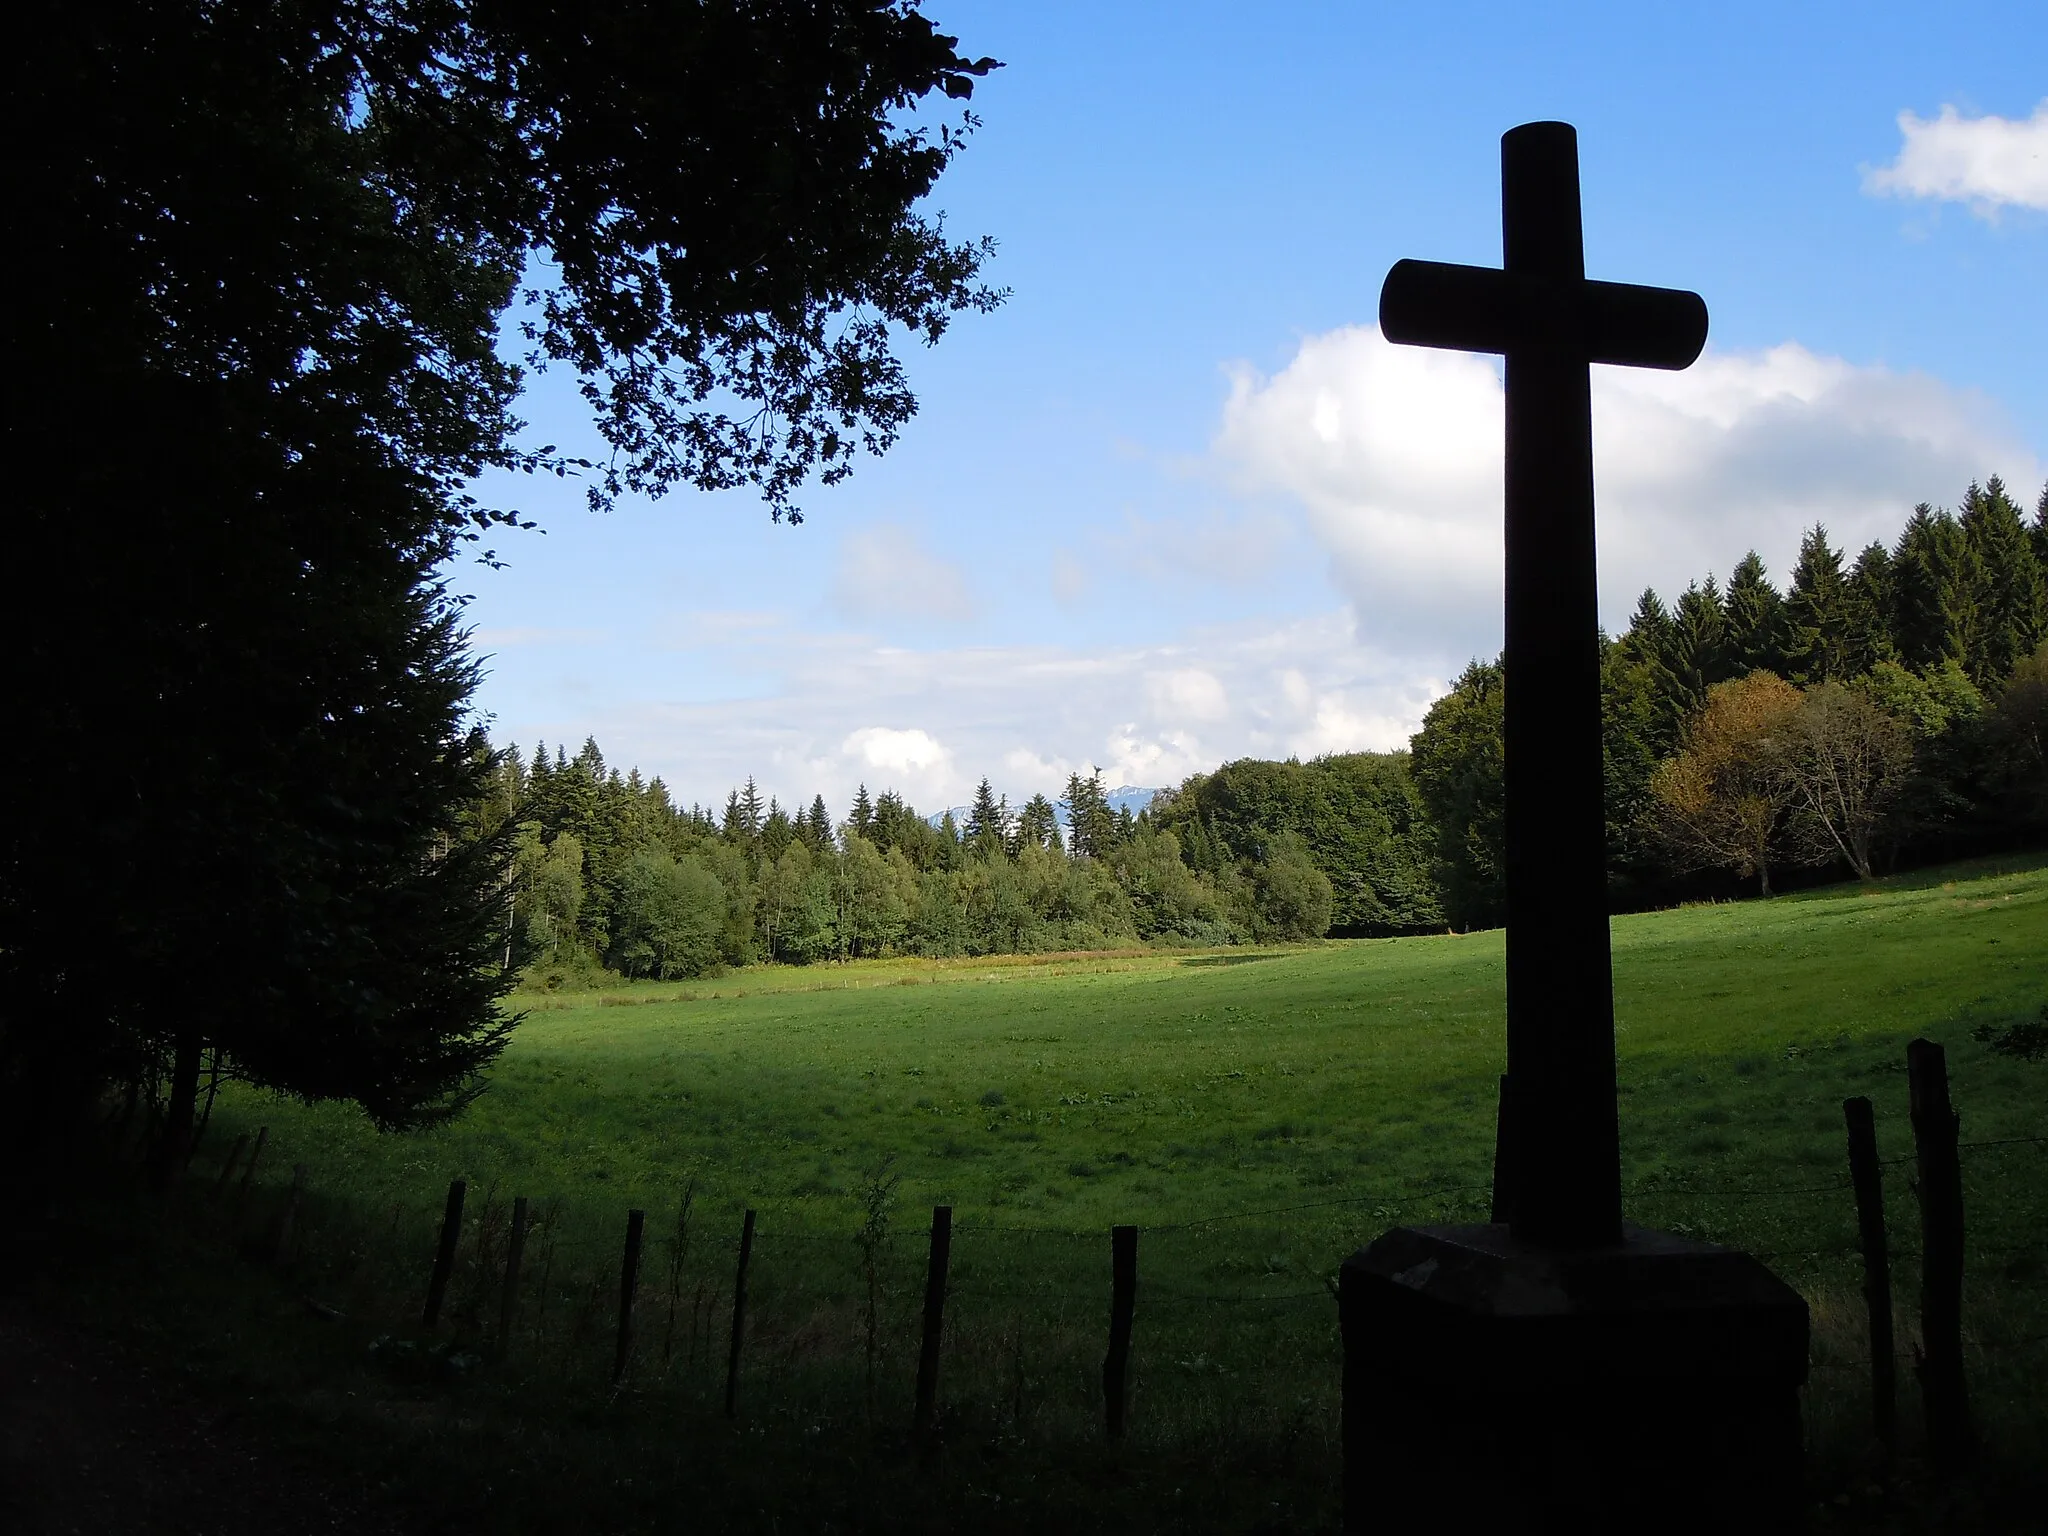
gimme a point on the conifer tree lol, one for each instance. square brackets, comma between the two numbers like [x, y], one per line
[2010, 600]
[1695, 656]
[1038, 824]
[1931, 617]
[750, 809]
[862, 820]
[1648, 643]
[1649, 628]
[898, 828]
[1754, 632]
[657, 799]
[818, 825]
[1816, 611]
[776, 831]
[1090, 822]
[1868, 610]
[986, 829]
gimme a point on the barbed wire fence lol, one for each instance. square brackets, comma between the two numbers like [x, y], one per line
[1235, 1321]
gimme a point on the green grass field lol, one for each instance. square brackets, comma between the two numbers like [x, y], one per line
[1258, 1113]
[1071, 1093]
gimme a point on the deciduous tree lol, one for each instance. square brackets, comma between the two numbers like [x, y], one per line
[1722, 802]
[1457, 761]
[1846, 760]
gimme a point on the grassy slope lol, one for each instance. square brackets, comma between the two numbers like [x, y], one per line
[1352, 1082]
[1158, 1088]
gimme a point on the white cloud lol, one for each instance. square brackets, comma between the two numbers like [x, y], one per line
[1395, 453]
[1188, 693]
[904, 751]
[910, 761]
[885, 573]
[1987, 162]
[1025, 715]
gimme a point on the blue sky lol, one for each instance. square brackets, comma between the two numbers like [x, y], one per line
[1176, 502]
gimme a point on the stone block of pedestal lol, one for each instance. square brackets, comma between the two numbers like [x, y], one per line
[1652, 1384]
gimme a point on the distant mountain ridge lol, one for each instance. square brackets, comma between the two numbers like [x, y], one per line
[1124, 796]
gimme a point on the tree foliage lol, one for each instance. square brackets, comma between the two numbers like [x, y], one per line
[1357, 816]
[1917, 667]
[1845, 760]
[1721, 802]
[1458, 761]
[273, 246]
[1760, 776]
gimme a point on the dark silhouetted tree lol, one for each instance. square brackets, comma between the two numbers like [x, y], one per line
[272, 248]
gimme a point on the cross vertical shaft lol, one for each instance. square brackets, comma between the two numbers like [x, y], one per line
[1565, 1155]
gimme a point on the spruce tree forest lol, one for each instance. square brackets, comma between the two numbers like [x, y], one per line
[1883, 709]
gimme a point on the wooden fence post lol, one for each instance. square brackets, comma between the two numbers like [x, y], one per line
[1123, 1292]
[255, 1157]
[508, 1299]
[227, 1168]
[739, 1316]
[1868, 1178]
[1943, 1390]
[444, 1253]
[290, 1216]
[629, 1284]
[934, 1317]
[1503, 1158]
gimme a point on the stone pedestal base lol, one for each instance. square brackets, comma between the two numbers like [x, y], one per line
[1652, 1385]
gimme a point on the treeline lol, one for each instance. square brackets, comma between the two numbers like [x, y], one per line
[609, 871]
[1889, 708]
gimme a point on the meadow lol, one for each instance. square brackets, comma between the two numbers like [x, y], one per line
[1257, 1113]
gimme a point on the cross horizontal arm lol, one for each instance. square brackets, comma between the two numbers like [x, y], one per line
[1485, 309]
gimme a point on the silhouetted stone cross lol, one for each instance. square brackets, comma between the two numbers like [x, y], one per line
[1562, 1152]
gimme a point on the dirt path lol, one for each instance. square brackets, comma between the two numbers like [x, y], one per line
[91, 1442]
